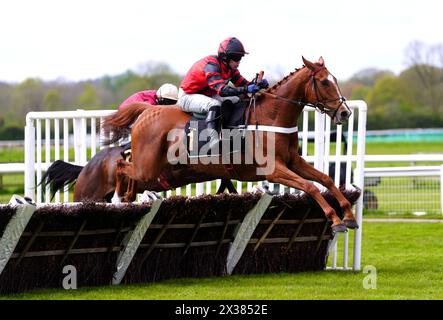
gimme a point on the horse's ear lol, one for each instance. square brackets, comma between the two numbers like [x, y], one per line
[321, 61]
[308, 64]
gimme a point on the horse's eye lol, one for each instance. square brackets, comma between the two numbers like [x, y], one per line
[324, 83]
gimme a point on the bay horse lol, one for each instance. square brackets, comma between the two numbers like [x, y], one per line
[278, 107]
[96, 181]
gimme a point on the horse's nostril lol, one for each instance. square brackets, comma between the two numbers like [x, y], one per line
[344, 114]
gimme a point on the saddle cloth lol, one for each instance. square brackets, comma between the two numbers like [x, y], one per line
[232, 117]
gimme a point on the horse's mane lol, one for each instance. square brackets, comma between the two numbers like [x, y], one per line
[286, 78]
[282, 81]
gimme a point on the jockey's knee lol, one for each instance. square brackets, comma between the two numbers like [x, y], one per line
[214, 108]
[197, 103]
[231, 99]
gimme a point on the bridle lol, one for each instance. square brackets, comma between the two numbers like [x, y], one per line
[321, 104]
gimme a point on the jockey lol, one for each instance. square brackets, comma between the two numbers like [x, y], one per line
[167, 94]
[205, 86]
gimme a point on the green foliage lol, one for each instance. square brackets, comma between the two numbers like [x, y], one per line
[368, 77]
[405, 101]
[360, 93]
[16, 100]
[397, 101]
[388, 95]
[26, 96]
[426, 84]
[88, 98]
[12, 133]
[52, 100]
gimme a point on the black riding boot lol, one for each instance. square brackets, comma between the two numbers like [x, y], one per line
[212, 126]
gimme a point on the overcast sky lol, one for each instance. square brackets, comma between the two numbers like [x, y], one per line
[83, 39]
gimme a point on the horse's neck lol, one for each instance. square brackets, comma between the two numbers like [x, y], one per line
[274, 112]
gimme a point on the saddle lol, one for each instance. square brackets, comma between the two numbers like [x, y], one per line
[232, 117]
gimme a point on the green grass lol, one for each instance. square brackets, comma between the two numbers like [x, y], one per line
[412, 194]
[404, 147]
[13, 154]
[16, 154]
[403, 215]
[375, 148]
[407, 257]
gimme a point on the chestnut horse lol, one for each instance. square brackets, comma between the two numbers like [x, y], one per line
[276, 108]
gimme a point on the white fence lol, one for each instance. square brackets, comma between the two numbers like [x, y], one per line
[394, 190]
[62, 124]
[47, 139]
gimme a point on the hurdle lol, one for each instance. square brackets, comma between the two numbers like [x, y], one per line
[176, 237]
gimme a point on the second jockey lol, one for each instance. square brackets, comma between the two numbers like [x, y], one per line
[165, 95]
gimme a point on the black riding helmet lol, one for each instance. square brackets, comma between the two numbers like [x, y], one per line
[231, 49]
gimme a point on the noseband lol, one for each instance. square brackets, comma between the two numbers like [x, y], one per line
[322, 104]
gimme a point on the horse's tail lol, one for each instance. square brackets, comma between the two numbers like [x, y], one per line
[58, 175]
[116, 125]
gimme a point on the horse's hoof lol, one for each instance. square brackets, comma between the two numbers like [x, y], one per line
[258, 189]
[350, 223]
[339, 228]
[149, 196]
[158, 195]
[116, 199]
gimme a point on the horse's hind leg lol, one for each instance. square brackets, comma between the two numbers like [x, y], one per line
[307, 171]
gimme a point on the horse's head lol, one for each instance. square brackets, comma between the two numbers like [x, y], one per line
[323, 92]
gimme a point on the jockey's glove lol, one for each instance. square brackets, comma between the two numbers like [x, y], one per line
[263, 84]
[253, 88]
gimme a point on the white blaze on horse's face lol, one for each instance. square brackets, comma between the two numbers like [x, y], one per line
[343, 112]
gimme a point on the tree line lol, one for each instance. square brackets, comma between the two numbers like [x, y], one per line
[107, 92]
[412, 99]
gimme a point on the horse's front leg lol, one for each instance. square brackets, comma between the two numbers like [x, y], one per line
[307, 171]
[283, 175]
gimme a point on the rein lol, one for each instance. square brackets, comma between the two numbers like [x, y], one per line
[321, 105]
[291, 101]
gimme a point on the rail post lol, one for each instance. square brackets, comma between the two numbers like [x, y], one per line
[441, 188]
[359, 180]
[29, 159]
